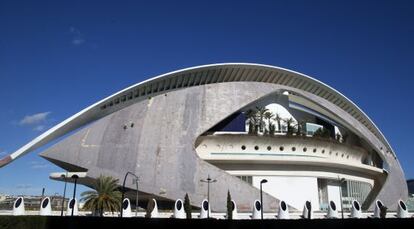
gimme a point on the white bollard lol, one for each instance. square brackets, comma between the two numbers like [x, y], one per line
[402, 211]
[332, 210]
[45, 208]
[377, 208]
[205, 206]
[179, 212]
[154, 212]
[257, 210]
[307, 210]
[356, 210]
[126, 208]
[235, 215]
[283, 210]
[18, 207]
[73, 203]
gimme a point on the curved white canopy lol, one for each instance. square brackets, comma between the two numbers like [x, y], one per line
[195, 76]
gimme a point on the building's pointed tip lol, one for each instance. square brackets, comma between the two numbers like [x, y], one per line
[5, 160]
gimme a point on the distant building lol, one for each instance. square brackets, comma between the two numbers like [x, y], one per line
[238, 124]
[33, 202]
[410, 184]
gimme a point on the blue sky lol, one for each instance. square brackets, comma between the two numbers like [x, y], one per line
[57, 57]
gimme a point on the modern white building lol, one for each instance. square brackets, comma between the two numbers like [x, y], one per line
[237, 123]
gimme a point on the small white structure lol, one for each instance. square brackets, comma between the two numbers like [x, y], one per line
[283, 210]
[377, 209]
[402, 211]
[45, 207]
[18, 207]
[126, 208]
[205, 206]
[257, 210]
[179, 212]
[235, 214]
[332, 210]
[356, 210]
[72, 204]
[307, 210]
[154, 212]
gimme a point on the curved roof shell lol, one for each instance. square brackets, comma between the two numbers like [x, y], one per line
[202, 75]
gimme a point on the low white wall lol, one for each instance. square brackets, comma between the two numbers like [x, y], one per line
[295, 191]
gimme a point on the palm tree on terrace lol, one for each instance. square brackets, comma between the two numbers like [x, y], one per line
[260, 111]
[106, 196]
[289, 125]
[269, 115]
[251, 116]
[278, 120]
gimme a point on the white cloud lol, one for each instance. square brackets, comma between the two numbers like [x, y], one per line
[34, 119]
[24, 186]
[38, 165]
[3, 153]
[77, 38]
[78, 41]
[39, 128]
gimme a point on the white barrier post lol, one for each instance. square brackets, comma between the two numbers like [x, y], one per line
[126, 208]
[332, 210]
[257, 209]
[356, 210]
[45, 208]
[179, 212]
[283, 210]
[18, 207]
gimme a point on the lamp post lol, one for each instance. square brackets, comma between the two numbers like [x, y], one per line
[123, 188]
[261, 197]
[74, 189]
[340, 195]
[64, 193]
[208, 181]
[136, 198]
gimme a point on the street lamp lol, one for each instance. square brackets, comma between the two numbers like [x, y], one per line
[123, 189]
[261, 196]
[342, 180]
[64, 192]
[74, 189]
[136, 198]
[208, 181]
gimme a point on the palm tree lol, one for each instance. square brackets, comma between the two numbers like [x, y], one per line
[251, 116]
[268, 115]
[289, 125]
[106, 197]
[260, 111]
[278, 119]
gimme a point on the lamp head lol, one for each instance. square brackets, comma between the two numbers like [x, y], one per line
[74, 176]
[263, 181]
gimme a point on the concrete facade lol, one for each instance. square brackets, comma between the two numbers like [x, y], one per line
[151, 129]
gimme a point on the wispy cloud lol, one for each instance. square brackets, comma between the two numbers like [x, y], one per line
[34, 119]
[39, 128]
[38, 165]
[23, 186]
[2, 153]
[78, 38]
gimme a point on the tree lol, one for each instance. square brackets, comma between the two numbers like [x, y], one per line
[187, 206]
[106, 197]
[150, 207]
[278, 119]
[289, 125]
[251, 116]
[229, 206]
[260, 111]
[268, 115]
[322, 133]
